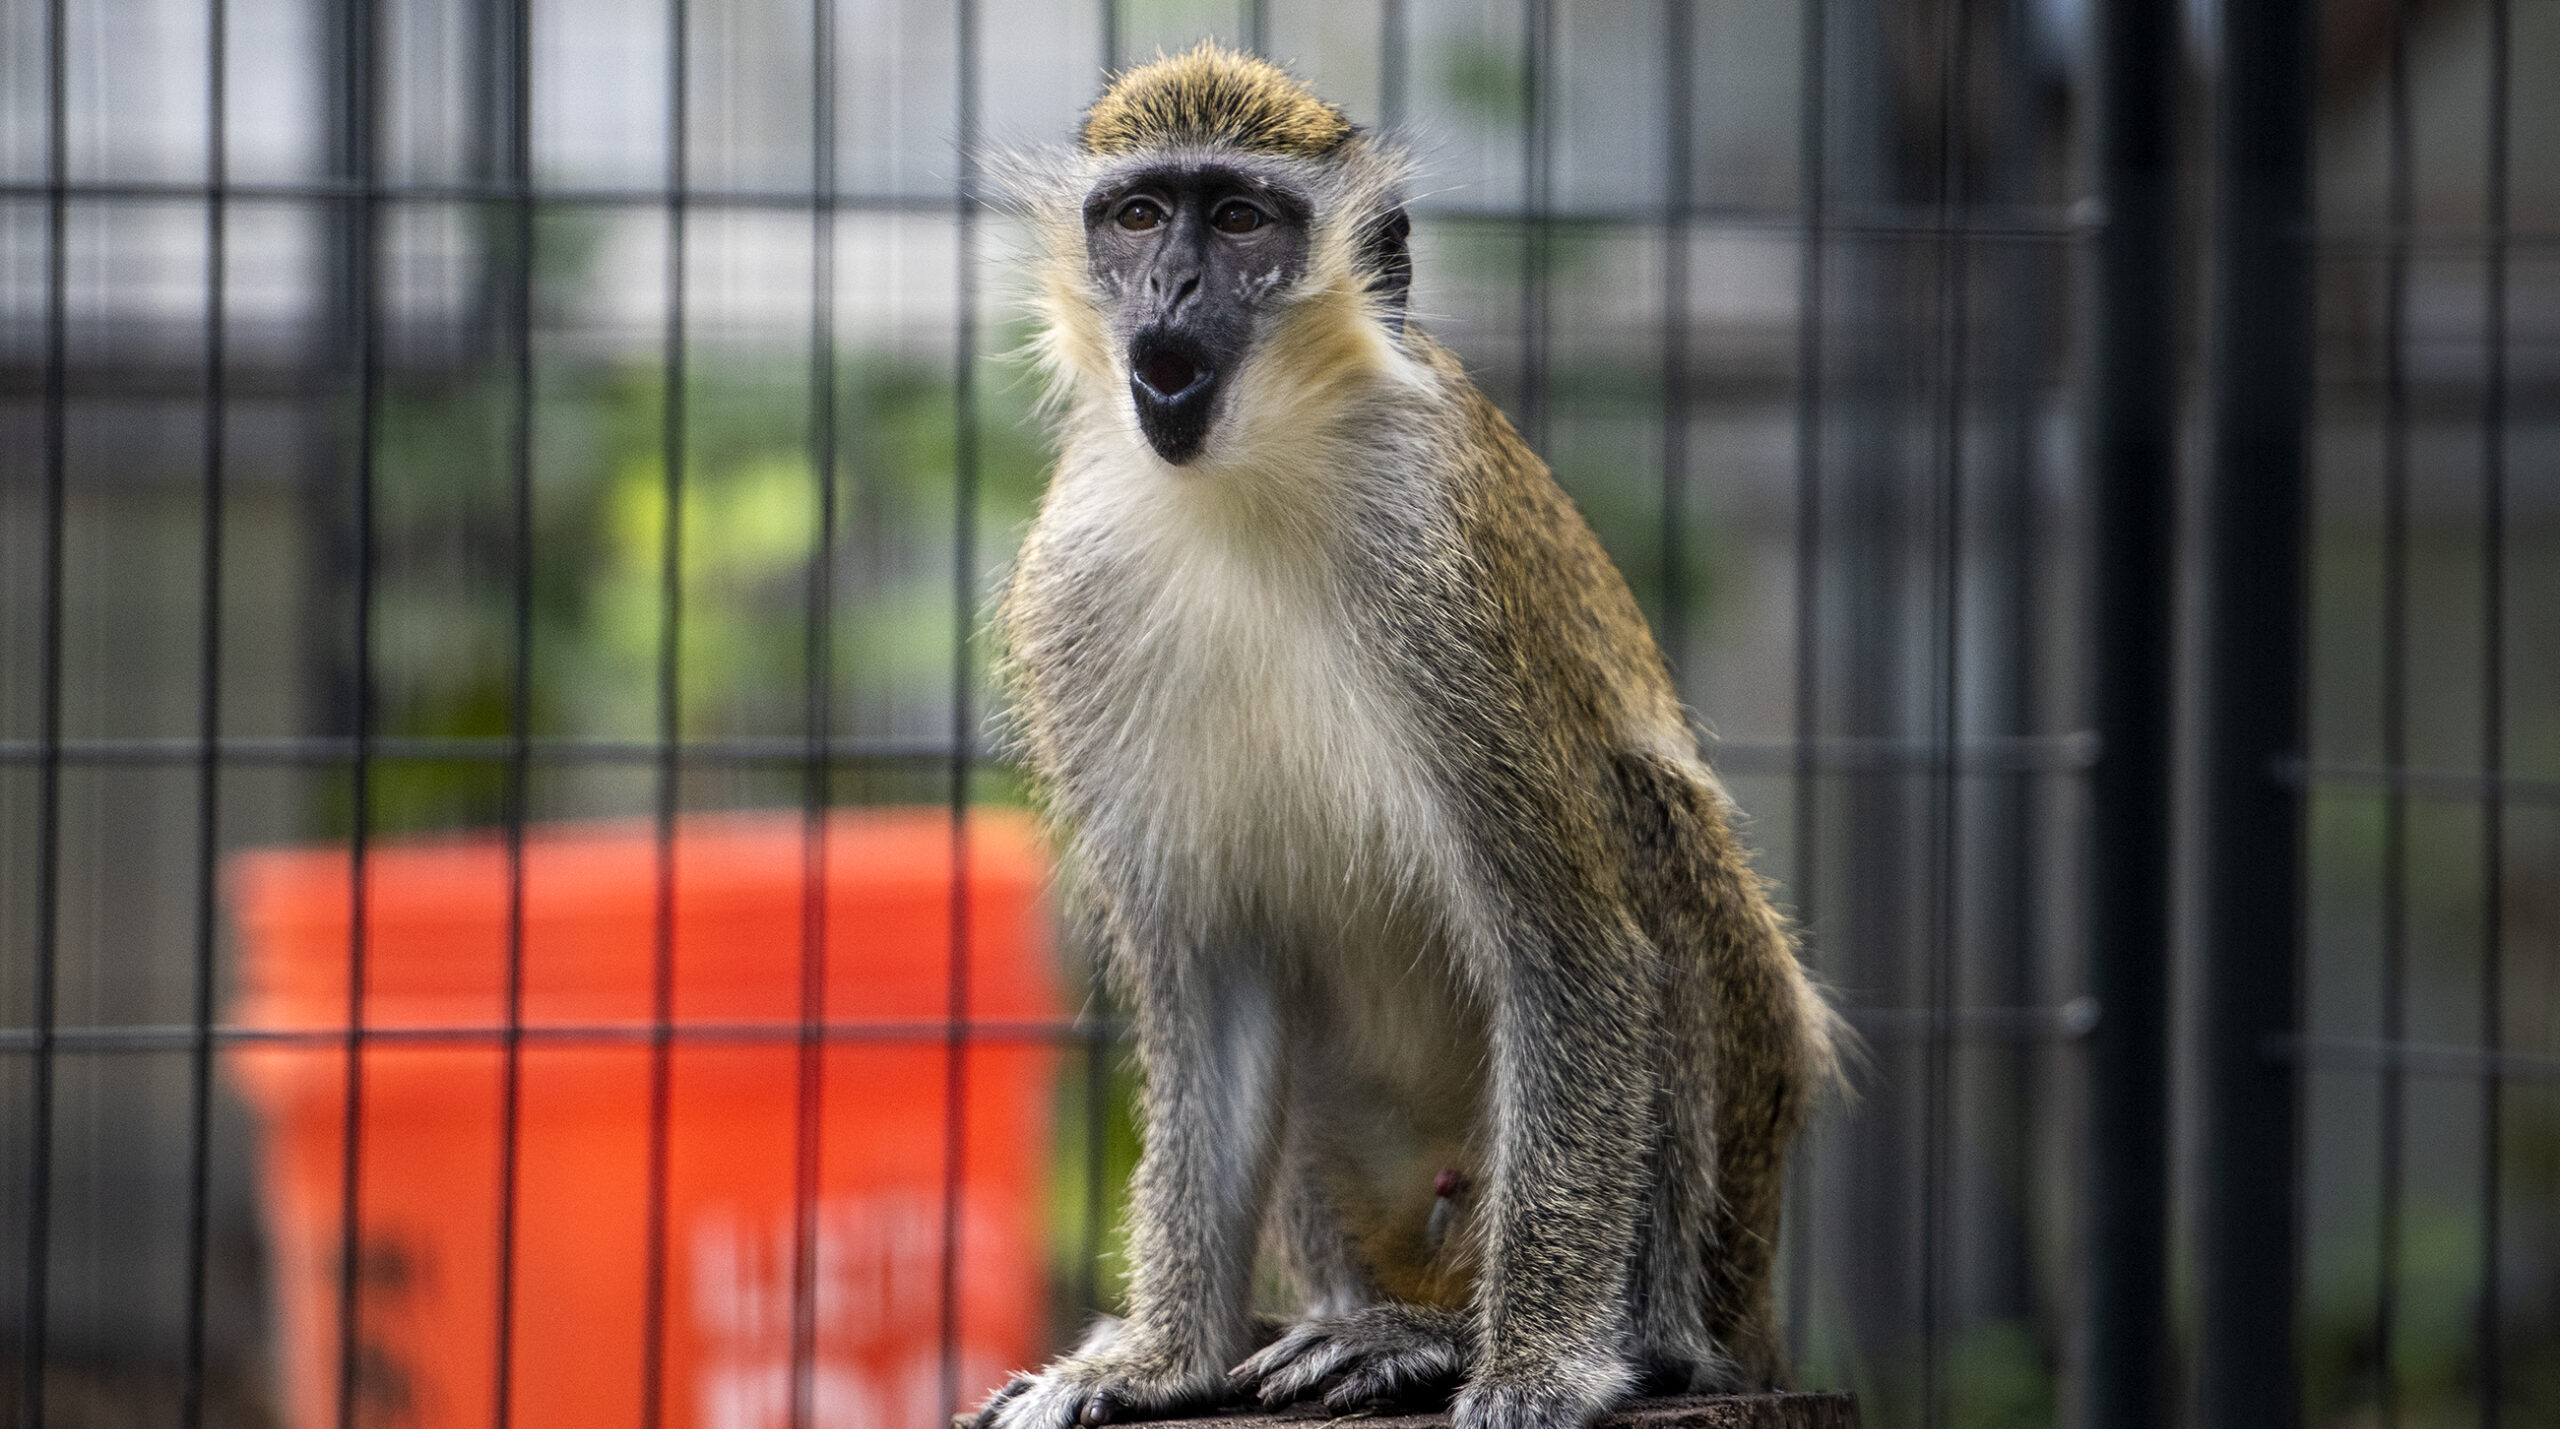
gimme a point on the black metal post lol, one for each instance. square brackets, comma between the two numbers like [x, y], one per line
[2133, 399]
[2246, 1251]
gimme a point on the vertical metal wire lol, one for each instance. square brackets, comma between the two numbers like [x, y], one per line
[31, 1395]
[1938, 1126]
[2493, 718]
[1097, 1029]
[964, 590]
[519, 178]
[1680, 92]
[2018, 280]
[360, 57]
[208, 720]
[819, 672]
[1537, 163]
[1813, 185]
[670, 726]
[2395, 716]
[1257, 26]
[1097, 1127]
[1395, 36]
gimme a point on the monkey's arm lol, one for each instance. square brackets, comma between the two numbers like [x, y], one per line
[1574, 1082]
[1209, 1034]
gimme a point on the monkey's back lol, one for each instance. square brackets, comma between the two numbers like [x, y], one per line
[1751, 1039]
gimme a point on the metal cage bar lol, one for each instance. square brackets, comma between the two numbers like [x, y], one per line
[1805, 771]
[964, 593]
[517, 68]
[2493, 715]
[40, 1110]
[673, 458]
[817, 657]
[1950, 252]
[2395, 722]
[361, 215]
[200, 1085]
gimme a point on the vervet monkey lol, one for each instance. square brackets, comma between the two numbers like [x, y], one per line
[1452, 985]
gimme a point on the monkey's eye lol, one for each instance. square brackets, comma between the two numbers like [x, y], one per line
[1139, 214]
[1236, 216]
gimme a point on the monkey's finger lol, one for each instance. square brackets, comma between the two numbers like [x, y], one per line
[1272, 1358]
[1391, 1376]
[1100, 1407]
[1304, 1375]
[1045, 1401]
[1364, 1388]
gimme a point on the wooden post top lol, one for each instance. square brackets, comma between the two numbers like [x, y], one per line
[1700, 1411]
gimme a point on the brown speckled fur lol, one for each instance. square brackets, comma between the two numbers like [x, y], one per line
[1406, 858]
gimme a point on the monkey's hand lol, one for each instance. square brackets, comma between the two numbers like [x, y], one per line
[1108, 1380]
[1376, 1354]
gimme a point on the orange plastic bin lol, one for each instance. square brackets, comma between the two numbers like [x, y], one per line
[431, 1121]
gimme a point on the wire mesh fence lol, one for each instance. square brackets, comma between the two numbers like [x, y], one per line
[544, 433]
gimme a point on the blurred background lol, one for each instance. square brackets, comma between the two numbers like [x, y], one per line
[439, 424]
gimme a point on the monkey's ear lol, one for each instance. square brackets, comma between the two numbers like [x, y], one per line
[1386, 256]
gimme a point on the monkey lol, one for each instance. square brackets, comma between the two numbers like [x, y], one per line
[1452, 983]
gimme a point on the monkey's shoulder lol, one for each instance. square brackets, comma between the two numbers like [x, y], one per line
[1552, 597]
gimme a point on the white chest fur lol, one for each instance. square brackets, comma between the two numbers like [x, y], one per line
[1233, 732]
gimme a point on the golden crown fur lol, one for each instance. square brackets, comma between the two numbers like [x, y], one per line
[1210, 95]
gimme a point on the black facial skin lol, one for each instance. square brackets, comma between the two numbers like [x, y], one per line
[1190, 255]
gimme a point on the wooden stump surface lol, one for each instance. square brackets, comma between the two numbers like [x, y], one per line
[1702, 1411]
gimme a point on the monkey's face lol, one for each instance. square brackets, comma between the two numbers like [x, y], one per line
[1189, 257]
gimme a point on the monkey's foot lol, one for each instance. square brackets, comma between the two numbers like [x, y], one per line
[1555, 1397]
[1377, 1354]
[1692, 1368]
[1100, 1388]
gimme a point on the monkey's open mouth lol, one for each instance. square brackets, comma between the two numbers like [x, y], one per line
[1173, 386]
[1167, 375]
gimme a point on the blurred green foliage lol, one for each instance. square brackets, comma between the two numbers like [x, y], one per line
[745, 545]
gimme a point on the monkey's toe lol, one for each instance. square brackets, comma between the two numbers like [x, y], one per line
[1091, 1391]
[1380, 1354]
[985, 1418]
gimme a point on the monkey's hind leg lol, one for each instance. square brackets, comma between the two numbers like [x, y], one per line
[1746, 1045]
